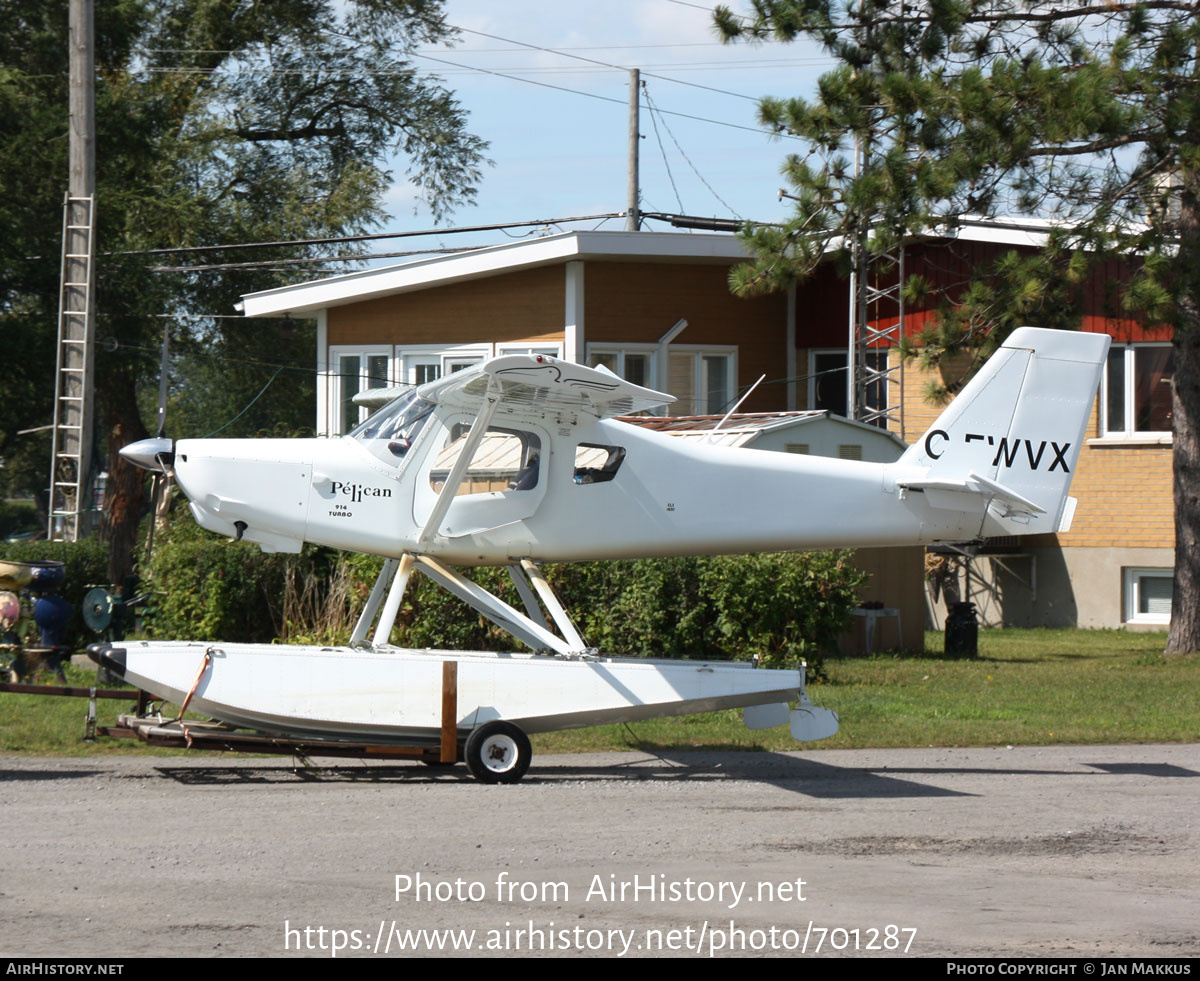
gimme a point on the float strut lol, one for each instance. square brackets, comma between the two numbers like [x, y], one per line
[361, 628]
[383, 629]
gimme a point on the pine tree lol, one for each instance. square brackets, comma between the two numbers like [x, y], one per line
[1085, 113]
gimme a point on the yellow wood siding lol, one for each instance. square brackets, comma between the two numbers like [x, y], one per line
[519, 306]
[629, 303]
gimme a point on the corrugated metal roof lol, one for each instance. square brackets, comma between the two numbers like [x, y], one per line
[747, 422]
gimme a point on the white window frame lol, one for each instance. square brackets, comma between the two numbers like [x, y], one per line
[550, 348]
[408, 356]
[363, 352]
[698, 352]
[403, 360]
[1132, 593]
[1128, 381]
[620, 350]
[695, 351]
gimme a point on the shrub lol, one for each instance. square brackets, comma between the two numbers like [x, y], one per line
[780, 607]
[17, 517]
[783, 607]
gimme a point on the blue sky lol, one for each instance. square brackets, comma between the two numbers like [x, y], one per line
[562, 154]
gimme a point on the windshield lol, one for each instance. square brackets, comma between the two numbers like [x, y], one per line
[391, 431]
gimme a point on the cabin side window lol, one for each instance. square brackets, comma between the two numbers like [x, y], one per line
[504, 460]
[596, 464]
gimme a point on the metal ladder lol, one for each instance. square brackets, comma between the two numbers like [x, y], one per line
[71, 451]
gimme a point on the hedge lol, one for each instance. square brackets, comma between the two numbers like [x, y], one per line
[779, 607]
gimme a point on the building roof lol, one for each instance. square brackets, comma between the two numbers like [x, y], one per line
[645, 246]
[442, 270]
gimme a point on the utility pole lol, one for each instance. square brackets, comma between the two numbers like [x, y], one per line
[633, 215]
[73, 397]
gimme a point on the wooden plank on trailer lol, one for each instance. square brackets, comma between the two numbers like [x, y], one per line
[449, 752]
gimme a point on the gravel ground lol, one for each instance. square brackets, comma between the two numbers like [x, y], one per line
[1031, 851]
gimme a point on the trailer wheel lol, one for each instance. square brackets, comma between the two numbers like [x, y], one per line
[498, 752]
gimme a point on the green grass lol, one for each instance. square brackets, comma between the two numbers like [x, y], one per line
[45, 725]
[1026, 687]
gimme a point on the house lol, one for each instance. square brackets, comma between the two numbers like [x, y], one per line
[656, 309]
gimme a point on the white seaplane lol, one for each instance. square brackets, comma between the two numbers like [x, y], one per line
[519, 461]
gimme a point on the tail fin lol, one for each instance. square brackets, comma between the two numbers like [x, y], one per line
[1013, 434]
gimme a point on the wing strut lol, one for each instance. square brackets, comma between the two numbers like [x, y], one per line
[533, 630]
[495, 609]
[458, 471]
[565, 626]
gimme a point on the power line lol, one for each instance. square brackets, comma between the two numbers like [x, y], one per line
[661, 148]
[374, 236]
[688, 160]
[284, 263]
[538, 47]
[707, 10]
[292, 365]
[602, 98]
[568, 47]
[692, 66]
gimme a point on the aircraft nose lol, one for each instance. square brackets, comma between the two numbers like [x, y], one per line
[156, 453]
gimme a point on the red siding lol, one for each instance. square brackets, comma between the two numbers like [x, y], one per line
[823, 299]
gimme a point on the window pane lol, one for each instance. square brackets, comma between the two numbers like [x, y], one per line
[377, 370]
[607, 359]
[1116, 390]
[349, 368]
[596, 464]
[1153, 368]
[637, 369]
[829, 382]
[716, 383]
[681, 383]
[1154, 595]
[877, 390]
[506, 459]
[423, 373]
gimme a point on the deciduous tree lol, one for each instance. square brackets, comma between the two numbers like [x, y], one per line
[219, 121]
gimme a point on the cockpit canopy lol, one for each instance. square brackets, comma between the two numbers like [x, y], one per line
[391, 431]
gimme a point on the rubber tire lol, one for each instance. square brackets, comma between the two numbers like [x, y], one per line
[498, 752]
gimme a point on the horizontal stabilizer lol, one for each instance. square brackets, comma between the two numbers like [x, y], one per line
[975, 485]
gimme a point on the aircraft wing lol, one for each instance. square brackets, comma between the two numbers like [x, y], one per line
[542, 384]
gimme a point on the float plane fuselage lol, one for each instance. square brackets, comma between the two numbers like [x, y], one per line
[522, 460]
